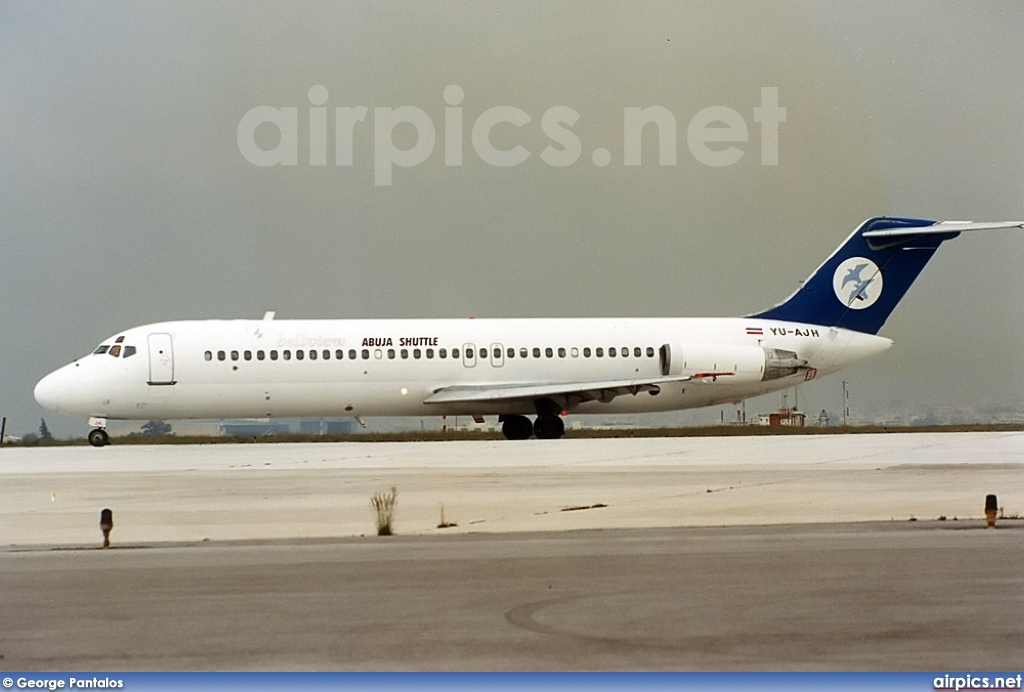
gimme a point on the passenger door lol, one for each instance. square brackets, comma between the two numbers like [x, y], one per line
[161, 359]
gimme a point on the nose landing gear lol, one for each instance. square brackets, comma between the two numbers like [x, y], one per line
[99, 437]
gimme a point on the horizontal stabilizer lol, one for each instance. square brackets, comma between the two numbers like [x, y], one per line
[944, 227]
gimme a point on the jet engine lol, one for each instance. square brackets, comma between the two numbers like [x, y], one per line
[740, 363]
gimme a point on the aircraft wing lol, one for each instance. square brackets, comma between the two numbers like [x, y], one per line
[943, 227]
[567, 393]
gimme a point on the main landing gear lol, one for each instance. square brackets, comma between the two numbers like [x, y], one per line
[516, 427]
[520, 428]
[548, 426]
[99, 437]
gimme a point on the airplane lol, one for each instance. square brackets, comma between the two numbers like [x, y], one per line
[511, 368]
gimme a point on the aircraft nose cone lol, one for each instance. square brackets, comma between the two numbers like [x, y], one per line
[47, 392]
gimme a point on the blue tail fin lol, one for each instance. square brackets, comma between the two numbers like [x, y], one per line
[860, 284]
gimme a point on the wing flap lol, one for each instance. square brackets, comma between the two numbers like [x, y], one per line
[576, 392]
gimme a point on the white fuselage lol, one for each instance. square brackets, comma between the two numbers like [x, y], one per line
[323, 368]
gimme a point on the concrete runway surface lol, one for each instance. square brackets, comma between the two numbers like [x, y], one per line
[225, 492]
[797, 554]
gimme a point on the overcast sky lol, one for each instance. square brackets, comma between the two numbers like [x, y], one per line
[125, 197]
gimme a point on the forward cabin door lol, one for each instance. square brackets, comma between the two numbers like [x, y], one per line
[161, 359]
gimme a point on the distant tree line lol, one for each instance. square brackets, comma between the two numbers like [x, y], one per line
[154, 428]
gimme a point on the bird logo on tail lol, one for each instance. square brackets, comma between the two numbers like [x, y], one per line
[857, 283]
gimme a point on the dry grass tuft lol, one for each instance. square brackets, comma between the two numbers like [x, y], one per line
[384, 510]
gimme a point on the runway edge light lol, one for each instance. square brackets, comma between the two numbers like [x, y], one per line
[106, 524]
[991, 508]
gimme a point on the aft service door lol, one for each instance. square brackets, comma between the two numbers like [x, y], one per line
[161, 359]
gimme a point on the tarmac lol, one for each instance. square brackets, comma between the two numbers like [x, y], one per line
[837, 552]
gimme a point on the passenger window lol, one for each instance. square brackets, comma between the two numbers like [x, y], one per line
[312, 354]
[561, 352]
[405, 354]
[483, 353]
[416, 353]
[455, 353]
[366, 354]
[221, 355]
[599, 352]
[247, 355]
[442, 353]
[536, 352]
[129, 351]
[636, 351]
[102, 349]
[611, 352]
[548, 352]
[327, 354]
[510, 353]
[523, 353]
[391, 354]
[625, 352]
[300, 354]
[575, 352]
[259, 355]
[586, 352]
[286, 354]
[273, 355]
[650, 352]
[339, 355]
[496, 353]
[352, 354]
[430, 353]
[208, 355]
[234, 355]
[378, 354]
[115, 350]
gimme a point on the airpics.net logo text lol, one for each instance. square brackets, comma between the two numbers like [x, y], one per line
[714, 135]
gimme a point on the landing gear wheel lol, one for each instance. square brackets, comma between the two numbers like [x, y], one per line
[548, 427]
[516, 428]
[99, 437]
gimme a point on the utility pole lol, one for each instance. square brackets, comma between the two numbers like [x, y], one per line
[846, 401]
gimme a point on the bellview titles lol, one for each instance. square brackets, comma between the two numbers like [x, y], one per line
[510, 368]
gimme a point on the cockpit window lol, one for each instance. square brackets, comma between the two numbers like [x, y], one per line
[129, 351]
[115, 351]
[119, 340]
[102, 348]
